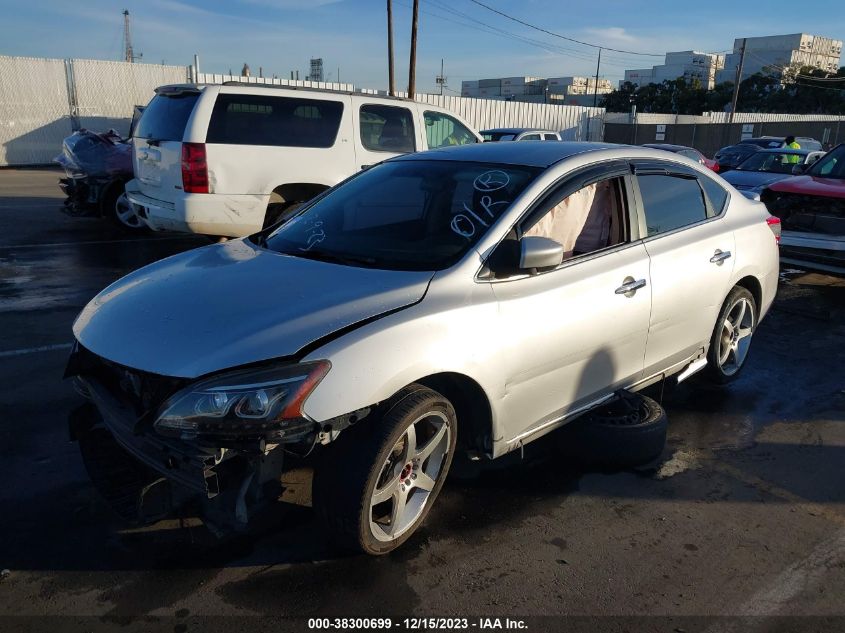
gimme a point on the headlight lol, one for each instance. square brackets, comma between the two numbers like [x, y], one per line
[249, 404]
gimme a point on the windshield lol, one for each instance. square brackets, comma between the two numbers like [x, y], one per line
[772, 162]
[831, 165]
[404, 215]
[498, 136]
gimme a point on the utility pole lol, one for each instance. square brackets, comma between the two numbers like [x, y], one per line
[391, 82]
[128, 51]
[412, 70]
[738, 81]
[440, 79]
[596, 89]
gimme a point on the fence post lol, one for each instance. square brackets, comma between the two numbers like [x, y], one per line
[73, 101]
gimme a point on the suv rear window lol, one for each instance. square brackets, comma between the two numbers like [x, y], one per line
[166, 116]
[280, 121]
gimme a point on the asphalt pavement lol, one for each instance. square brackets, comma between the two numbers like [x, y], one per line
[740, 526]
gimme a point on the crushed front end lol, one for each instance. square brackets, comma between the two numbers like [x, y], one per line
[150, 442]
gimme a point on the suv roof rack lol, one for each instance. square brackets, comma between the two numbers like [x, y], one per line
[247, 84]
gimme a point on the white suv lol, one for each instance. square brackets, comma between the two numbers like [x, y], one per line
[230, 159]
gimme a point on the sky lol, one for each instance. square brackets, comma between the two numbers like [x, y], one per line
[351, 35]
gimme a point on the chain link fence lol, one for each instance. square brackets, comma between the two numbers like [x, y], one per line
[42, 101]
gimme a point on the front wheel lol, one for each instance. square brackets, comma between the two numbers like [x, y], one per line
[731, 339]
[375, 486]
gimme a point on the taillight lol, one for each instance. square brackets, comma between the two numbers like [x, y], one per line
[774, 224]
[194, 168]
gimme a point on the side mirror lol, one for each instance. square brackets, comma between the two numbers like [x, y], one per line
[539, 252]
[798, 170]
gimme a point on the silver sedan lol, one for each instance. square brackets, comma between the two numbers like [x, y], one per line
[471, 298]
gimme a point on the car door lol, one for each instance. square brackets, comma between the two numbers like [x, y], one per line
[383, 131]
[572, 335]
[691, 251]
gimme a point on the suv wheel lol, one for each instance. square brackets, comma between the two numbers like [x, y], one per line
[376, 485]
[731, 338]
[279, 210]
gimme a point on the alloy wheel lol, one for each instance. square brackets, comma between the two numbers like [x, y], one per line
[735, 337]
[409, 475]
[125, 214]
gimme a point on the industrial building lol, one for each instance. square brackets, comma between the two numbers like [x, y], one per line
[775, 53]
[691, 65]
[535, 89]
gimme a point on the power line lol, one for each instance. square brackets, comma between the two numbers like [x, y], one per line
[563, 37]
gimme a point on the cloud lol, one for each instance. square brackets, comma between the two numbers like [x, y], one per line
[611, 35]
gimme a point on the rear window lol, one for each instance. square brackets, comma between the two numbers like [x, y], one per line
[280, 121]
[166, 116]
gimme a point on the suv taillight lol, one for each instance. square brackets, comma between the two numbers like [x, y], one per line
[194, 168]
[774, 224]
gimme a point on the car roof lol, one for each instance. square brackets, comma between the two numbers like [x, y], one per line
[668, 147]
[513, 130]
[528, 154]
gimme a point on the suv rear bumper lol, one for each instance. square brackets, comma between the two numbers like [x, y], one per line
[202, 213]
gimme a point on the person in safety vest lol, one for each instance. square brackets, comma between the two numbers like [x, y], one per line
[789, 142]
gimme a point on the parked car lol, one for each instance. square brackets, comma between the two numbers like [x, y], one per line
[729, 157]
[467, 299]
[97, 167]
[689, 152]
[811, 208]
[518, 134]
[774, 142]
[231, 159]
[767, 166]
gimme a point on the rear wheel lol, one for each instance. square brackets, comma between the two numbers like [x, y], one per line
[731, 339]
[116, 206]
[376, 485]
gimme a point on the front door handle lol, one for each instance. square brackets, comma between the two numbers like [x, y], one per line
[630, 286]
[720, 256]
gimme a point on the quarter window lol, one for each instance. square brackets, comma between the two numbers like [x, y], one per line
[441, 130]
[279, 121]
[387, 129]
[716, 194]
[671, 202]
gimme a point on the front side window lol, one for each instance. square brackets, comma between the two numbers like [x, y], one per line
[441, 130]
[550, 137]
[404, 215]
[279, 121]
[587, 220]
[670, 202]
[831, 165]
[387, 129]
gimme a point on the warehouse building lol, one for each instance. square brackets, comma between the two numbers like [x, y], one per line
[775, 53]
[535, 89]
[691, 65]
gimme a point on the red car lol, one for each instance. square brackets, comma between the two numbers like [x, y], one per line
[811, 208]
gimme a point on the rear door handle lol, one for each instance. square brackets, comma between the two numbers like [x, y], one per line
[720, 256]
[630, 287]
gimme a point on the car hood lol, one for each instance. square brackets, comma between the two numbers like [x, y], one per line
[231, 304]
[752, 179]
[812, 186]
